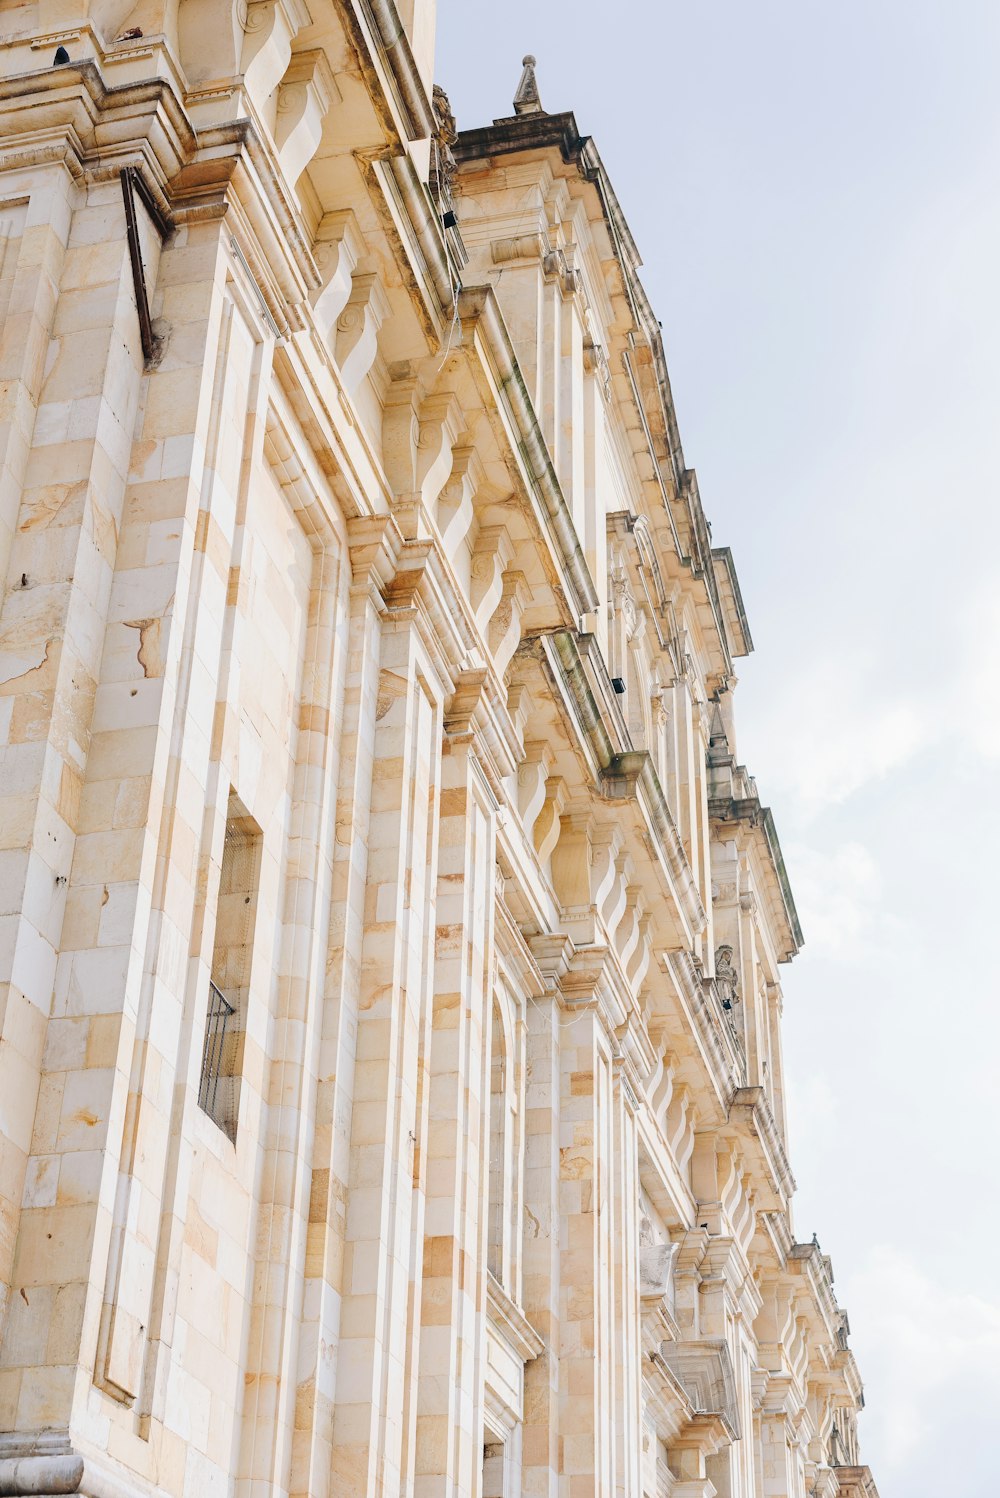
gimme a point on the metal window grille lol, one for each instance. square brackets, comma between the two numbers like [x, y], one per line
[215, 1091]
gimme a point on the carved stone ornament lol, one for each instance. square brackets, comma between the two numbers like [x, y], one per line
[623, 600]
[445, 136]
[656, 1268]
[726, 977]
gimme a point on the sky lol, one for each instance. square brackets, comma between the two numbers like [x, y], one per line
[815, 190]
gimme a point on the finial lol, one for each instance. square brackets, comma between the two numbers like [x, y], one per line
[527, 99]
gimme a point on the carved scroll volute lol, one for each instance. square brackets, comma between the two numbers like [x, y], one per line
[614, 906]
[638, 965]
[532, 774]
[270, 28]
[505, 624]
[456, 504]
[545, 833]
[679, 1127]
[306, 94]
[661, 1084]
[441, 424]
[492, 554]
[519, 707]
[358, 328]
[605, 846]
[337, 250]
[627, 934]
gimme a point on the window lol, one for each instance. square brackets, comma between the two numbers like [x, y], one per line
[497, 1217]
[236, 916]
[494, 1485]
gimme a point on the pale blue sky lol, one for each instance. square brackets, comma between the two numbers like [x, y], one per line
[815, 190]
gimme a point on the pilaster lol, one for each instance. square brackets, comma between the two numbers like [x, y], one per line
[449, 1400]
[587, 1333]
[372, 1446]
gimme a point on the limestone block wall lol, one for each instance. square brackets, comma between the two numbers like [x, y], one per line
[433, 1140]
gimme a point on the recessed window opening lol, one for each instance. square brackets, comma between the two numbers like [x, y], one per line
[494, 1454]
[229, 988]
[496, 1220]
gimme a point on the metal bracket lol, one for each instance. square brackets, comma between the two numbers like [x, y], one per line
[134, 185]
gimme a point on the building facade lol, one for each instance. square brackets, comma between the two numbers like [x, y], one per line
[391, 1093]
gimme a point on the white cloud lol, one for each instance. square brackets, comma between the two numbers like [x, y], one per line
[930, 1355]
[837, 895]
[977, 712]
[838, 731]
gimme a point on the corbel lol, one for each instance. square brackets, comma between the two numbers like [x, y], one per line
[491, 556]
[441, 421]
[375, 546]
[626, 934]
[269, 30]
[505, 621]
[464, 704]
[532, 774]
[306, 92]
[679, 1126]
[614, 905]
[400, 430]
[358, 327]
[638, 966]
[660, 1084]
[519, 708]
[545, 833]
[455, 506]
[606, 844]
[337, 250]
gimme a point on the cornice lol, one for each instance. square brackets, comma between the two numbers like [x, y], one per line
[73, 101]
[716, 1049]
[513, 949]
[643, 359]
[751, 1112]
[419, 238]
[807, 1261]
[624, 775]
[479, 314]
[389, 66]
[732, 599]
[856, 1482]
[747, 812]
[511, 1322]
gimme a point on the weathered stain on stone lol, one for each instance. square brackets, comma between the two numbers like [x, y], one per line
[28, 672]
[148, 653]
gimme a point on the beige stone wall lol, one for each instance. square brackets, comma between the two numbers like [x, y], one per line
[392, 561]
